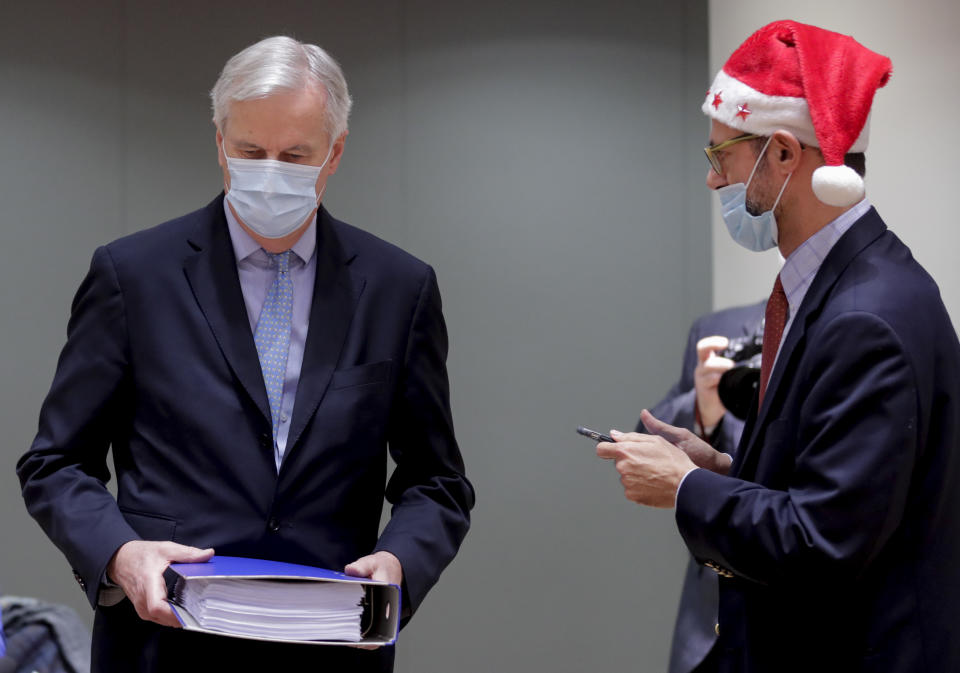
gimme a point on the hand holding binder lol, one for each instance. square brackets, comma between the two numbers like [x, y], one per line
[137, 567]
[380, 566]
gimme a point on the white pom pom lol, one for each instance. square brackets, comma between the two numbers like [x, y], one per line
[837, 185]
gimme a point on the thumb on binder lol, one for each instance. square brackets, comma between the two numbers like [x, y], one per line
[381, 566]
[138, 566]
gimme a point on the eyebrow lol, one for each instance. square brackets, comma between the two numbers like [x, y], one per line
[243, 144]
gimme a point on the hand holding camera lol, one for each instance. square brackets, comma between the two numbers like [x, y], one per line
[706, 378]
[738, 384]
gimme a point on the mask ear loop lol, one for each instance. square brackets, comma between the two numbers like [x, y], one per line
[324, 188]
[776, 229]
[755, 165]
[223, 148]
[785, 182]
[763, 152]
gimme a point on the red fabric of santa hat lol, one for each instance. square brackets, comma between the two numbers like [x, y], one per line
[817, 84]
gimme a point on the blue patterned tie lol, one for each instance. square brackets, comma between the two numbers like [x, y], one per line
[272, 336]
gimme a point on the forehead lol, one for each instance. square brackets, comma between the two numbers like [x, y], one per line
[720, 132]
[284, 118]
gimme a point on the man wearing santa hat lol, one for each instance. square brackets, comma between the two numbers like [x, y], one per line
[835, 531]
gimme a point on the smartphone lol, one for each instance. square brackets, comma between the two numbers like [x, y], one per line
[594, 435]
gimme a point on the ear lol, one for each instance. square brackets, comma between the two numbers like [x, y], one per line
[337, 152]
[785, 151]
[221, 159]
[219, 142]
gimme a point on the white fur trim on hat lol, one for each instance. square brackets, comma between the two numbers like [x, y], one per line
[743, 107]
[837, 185]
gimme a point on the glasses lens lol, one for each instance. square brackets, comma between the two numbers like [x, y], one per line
[713, 160]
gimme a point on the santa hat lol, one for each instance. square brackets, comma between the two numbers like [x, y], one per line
[816, 84]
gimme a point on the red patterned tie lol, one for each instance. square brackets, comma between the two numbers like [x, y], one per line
[774, 322]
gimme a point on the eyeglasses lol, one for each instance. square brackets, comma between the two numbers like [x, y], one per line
[714, 150]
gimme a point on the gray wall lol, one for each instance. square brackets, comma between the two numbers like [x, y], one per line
[543, 156]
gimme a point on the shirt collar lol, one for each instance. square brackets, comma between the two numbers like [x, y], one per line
[245, 246]
[803, 263]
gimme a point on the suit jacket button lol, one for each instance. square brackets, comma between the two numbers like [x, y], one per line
[716, 628]
[265, 441]
[273, 525]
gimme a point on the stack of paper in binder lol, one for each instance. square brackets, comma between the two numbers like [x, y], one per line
[276, 609]
[269, 600]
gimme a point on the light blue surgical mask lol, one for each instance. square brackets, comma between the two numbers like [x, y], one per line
[754, 232]
[273, 197]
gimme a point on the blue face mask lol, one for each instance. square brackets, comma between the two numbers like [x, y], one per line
[272, 197]
[754, 232]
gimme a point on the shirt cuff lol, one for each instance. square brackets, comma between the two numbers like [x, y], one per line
[110, 593]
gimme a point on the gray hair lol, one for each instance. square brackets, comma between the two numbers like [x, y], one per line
[282, 64]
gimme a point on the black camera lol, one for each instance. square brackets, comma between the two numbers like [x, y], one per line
[739, 385]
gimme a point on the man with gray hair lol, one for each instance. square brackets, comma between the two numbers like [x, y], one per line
[251, 363]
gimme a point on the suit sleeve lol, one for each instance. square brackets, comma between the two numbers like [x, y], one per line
[63, 476]
[429, 491]
[850, 454]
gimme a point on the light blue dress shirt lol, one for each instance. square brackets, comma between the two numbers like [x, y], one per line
[256, 277]
[803, 263]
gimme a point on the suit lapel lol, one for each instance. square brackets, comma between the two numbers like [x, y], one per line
[335, 295]
[212, 274]
[863, 232]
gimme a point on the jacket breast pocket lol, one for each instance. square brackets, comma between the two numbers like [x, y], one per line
[153, 527]
[361, 375]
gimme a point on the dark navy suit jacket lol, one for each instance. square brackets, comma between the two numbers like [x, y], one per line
[839, 523]
[161, 365]
[693, 633]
